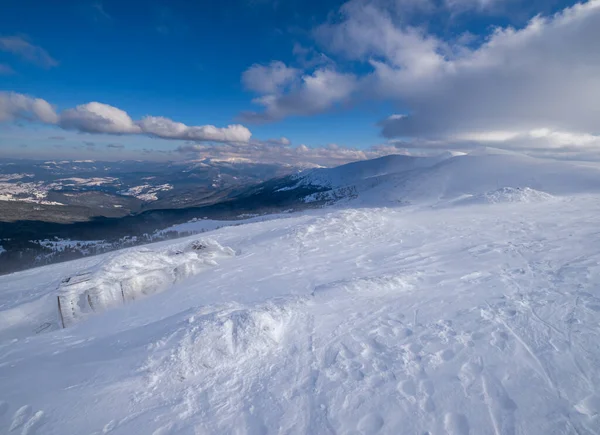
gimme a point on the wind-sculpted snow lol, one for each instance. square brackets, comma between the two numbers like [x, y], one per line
[505, 194]
[115, 280]
[131, 275]
[480, 319]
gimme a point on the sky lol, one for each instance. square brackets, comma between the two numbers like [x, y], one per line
[297, 81]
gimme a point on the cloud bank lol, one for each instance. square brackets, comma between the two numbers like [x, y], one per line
[510, 83]
[280, 151]
[542, 76]
[233, 143]
[97, 117]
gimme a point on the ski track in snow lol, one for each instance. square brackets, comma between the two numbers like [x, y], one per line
[475, 320]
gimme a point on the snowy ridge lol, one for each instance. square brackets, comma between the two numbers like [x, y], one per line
[485, 174]
[353, 173]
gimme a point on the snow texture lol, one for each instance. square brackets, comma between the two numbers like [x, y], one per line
[453, 319]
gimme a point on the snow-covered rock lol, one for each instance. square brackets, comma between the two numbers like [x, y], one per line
[133, 274]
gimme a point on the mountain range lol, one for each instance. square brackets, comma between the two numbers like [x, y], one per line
[121, 212]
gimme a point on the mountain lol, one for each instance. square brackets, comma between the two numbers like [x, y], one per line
[442, 179]
[455, 296]
[75, 191]
[447, 180]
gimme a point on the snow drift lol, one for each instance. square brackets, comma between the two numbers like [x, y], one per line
[131, 275]
[121, 278]
[504, 195]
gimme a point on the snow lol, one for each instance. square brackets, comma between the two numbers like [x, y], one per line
[146, 192]
[10, 177]
[478, 319]
[26, 192]
[202, 225]
[94, 181]
[505, 194]
[482, 174]
[353, 173]
[130, 275]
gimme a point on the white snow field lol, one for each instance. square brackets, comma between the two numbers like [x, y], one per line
[446, 316]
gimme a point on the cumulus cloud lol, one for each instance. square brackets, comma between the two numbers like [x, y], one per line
[168, 129]
[315, 93]
[15, 106]
[499, 87]
[544, 75]
[97, 117]
[269, 79]
[27, 51]
[367, 31]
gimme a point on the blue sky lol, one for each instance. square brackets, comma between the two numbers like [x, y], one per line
[373, 76]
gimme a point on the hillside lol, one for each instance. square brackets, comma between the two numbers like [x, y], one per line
[434, 180]
[473, 310]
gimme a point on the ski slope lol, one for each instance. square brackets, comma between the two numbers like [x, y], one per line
[447, 317]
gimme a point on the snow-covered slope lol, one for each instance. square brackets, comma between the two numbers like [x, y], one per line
[356, 172]
[404, 320]
[446, 178]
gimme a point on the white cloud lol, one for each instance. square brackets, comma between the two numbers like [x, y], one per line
[515, 82]
[317, 92]
[544, 75]
[97, 117]
[543, 142]
[367, 31]
[269, 79]
[27, 51]
[18, 106]
[168, 129]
